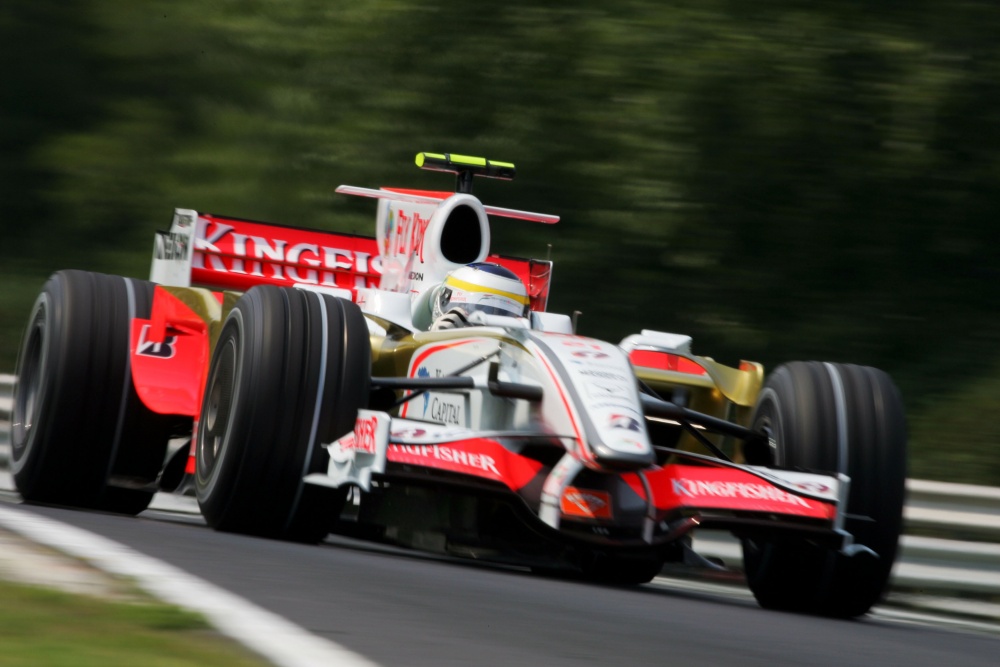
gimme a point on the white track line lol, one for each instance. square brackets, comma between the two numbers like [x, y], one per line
[283, 643]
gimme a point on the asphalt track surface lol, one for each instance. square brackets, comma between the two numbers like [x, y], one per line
[403, 608]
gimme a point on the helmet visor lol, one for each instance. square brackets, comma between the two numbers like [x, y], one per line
[478, 302]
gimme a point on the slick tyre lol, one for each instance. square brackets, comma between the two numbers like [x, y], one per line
[289, 372]
[833, 418]
[77, 423]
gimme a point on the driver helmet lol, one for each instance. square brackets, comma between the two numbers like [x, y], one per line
[482, 287]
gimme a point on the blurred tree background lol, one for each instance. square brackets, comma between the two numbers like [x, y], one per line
[783, 179]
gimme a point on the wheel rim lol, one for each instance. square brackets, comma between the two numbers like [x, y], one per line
[30, 388]
[766, 421]
[213, 433]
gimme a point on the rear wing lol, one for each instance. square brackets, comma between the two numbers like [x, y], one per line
[225, 253]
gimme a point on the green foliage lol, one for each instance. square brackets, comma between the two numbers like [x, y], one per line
[956, 436]
[781, 179]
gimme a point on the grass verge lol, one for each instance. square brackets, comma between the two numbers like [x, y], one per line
[43, 627]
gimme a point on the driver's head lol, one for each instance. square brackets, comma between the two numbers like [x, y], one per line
[482, 287]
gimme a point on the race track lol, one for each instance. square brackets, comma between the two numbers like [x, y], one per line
[403, 608]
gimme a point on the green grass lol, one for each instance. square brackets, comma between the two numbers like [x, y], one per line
[41, 627]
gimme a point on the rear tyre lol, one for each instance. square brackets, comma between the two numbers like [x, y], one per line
[290, 371]
[833, 418]
[77, 421]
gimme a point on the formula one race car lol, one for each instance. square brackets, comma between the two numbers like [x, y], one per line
[412, 388]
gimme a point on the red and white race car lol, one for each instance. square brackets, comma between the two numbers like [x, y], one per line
[321, 395]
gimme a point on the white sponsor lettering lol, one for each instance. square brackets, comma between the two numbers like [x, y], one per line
[700, 488]
[450, 455]
[307, 263]
[205, 242]
[164, 349]
[297, 255]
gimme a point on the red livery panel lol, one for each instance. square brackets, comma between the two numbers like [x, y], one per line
[708, 487]
[480, 457]
[235, 254]
[169, 355]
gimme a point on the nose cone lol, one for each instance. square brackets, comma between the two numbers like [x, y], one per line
[602, 387]
[628, 450]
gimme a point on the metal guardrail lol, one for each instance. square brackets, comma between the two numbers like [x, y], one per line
[951, 545]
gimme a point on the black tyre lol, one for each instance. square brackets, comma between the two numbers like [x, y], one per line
[833, 418]
[77, 423]
[290, 370]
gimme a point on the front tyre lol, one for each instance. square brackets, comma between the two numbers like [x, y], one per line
[77, 421]
[834, 418]
[290, 371]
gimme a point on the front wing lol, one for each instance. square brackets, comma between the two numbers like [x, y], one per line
[648, 507]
